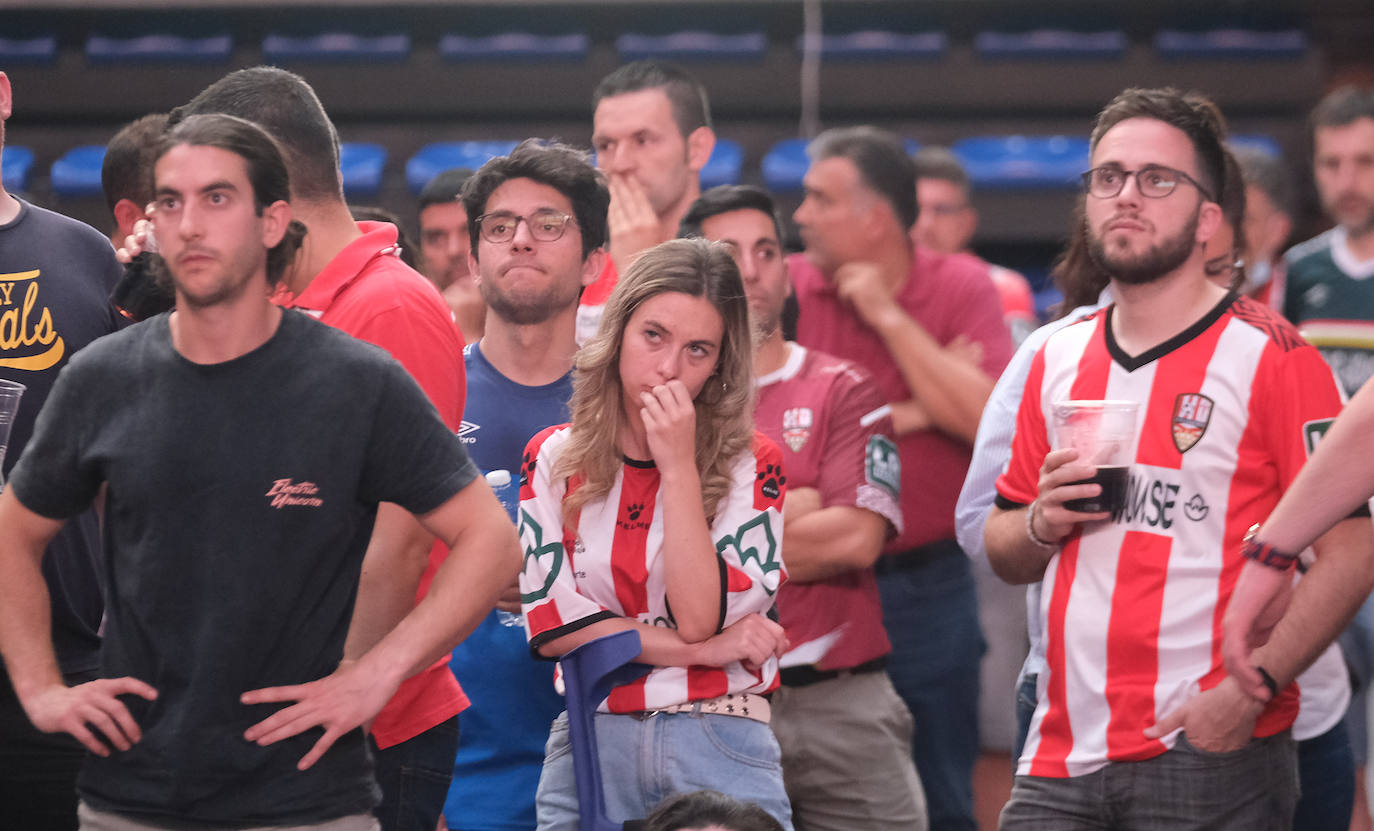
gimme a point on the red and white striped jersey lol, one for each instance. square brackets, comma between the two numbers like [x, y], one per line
[610, 563]
[1132, 607]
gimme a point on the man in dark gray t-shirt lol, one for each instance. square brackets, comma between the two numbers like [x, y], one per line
[244, 450]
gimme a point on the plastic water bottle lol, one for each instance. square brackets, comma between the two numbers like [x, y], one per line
[503, 486]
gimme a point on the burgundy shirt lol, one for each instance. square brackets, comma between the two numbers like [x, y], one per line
[834, 428]
[949, 295]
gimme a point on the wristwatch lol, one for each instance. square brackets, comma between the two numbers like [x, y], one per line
[1265, 554]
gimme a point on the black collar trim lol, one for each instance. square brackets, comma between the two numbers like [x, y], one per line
[1131, 364]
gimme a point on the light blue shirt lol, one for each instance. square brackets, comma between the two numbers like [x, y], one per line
[992, 453]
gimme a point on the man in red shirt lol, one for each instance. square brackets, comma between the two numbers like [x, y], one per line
[844, 732]
[348, 275]
[868, 295]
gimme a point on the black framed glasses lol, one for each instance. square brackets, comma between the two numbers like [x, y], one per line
[1154, 181]
[544, 226]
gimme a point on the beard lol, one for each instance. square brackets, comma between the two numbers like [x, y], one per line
[1353, 213]
[529, 311]
[1161, 258]
[763, 323]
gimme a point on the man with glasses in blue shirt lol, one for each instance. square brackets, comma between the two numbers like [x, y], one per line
[537, 224]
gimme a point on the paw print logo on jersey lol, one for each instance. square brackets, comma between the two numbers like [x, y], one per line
[527, 463]
[771, 481]
[631, 519]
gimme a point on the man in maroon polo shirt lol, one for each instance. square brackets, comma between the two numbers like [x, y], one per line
[868, 295]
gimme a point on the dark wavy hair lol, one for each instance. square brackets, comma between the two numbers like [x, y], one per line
[723, 199]
[1191, 112]
[266, 171]
[563, 168]
[703, 809]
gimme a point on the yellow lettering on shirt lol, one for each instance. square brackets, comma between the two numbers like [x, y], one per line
[26, 327]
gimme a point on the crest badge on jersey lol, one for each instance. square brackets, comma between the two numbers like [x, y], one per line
[1314, 431]
[796, 427]
[1192, 412]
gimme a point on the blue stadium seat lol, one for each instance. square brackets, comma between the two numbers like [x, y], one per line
[341, 47]
[433, 159]
[1232, 44]
[784, 165]
[77, 173]
[723, 168]
[160, 48]
[870, 45]
[1012, 162]
[1056, 44]
[1263, 143]
[361, 164]
[693, 46]
[36, 50]
[1046, 299]
[515, 46]
[15, 165]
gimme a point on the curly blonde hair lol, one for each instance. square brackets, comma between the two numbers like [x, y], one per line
[724, 407]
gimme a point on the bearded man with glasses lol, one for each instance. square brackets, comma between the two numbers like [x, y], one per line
[1137, 723]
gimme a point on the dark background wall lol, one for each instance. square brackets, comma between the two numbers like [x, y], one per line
[425, 98]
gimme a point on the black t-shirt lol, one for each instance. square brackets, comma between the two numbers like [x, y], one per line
[240, 501]
[56, 275]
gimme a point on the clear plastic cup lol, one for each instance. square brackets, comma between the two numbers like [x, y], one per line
[10, 393]
[1103, 433]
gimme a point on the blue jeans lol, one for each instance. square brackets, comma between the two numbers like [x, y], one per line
[414, 776]
[1326, 768]
[1026, 694]
[644, 761]
[1254, 788]
[930, 611]
[1357, 645]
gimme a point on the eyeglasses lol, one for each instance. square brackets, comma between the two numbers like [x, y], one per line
[1153, 181]
[544, 226]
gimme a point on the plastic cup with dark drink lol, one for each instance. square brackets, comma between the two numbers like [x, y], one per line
[1103, 433]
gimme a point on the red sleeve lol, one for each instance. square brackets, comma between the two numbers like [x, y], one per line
[419, 331]
[1020, 483]
[1299, 400]
[977, 313]
[859, 465]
